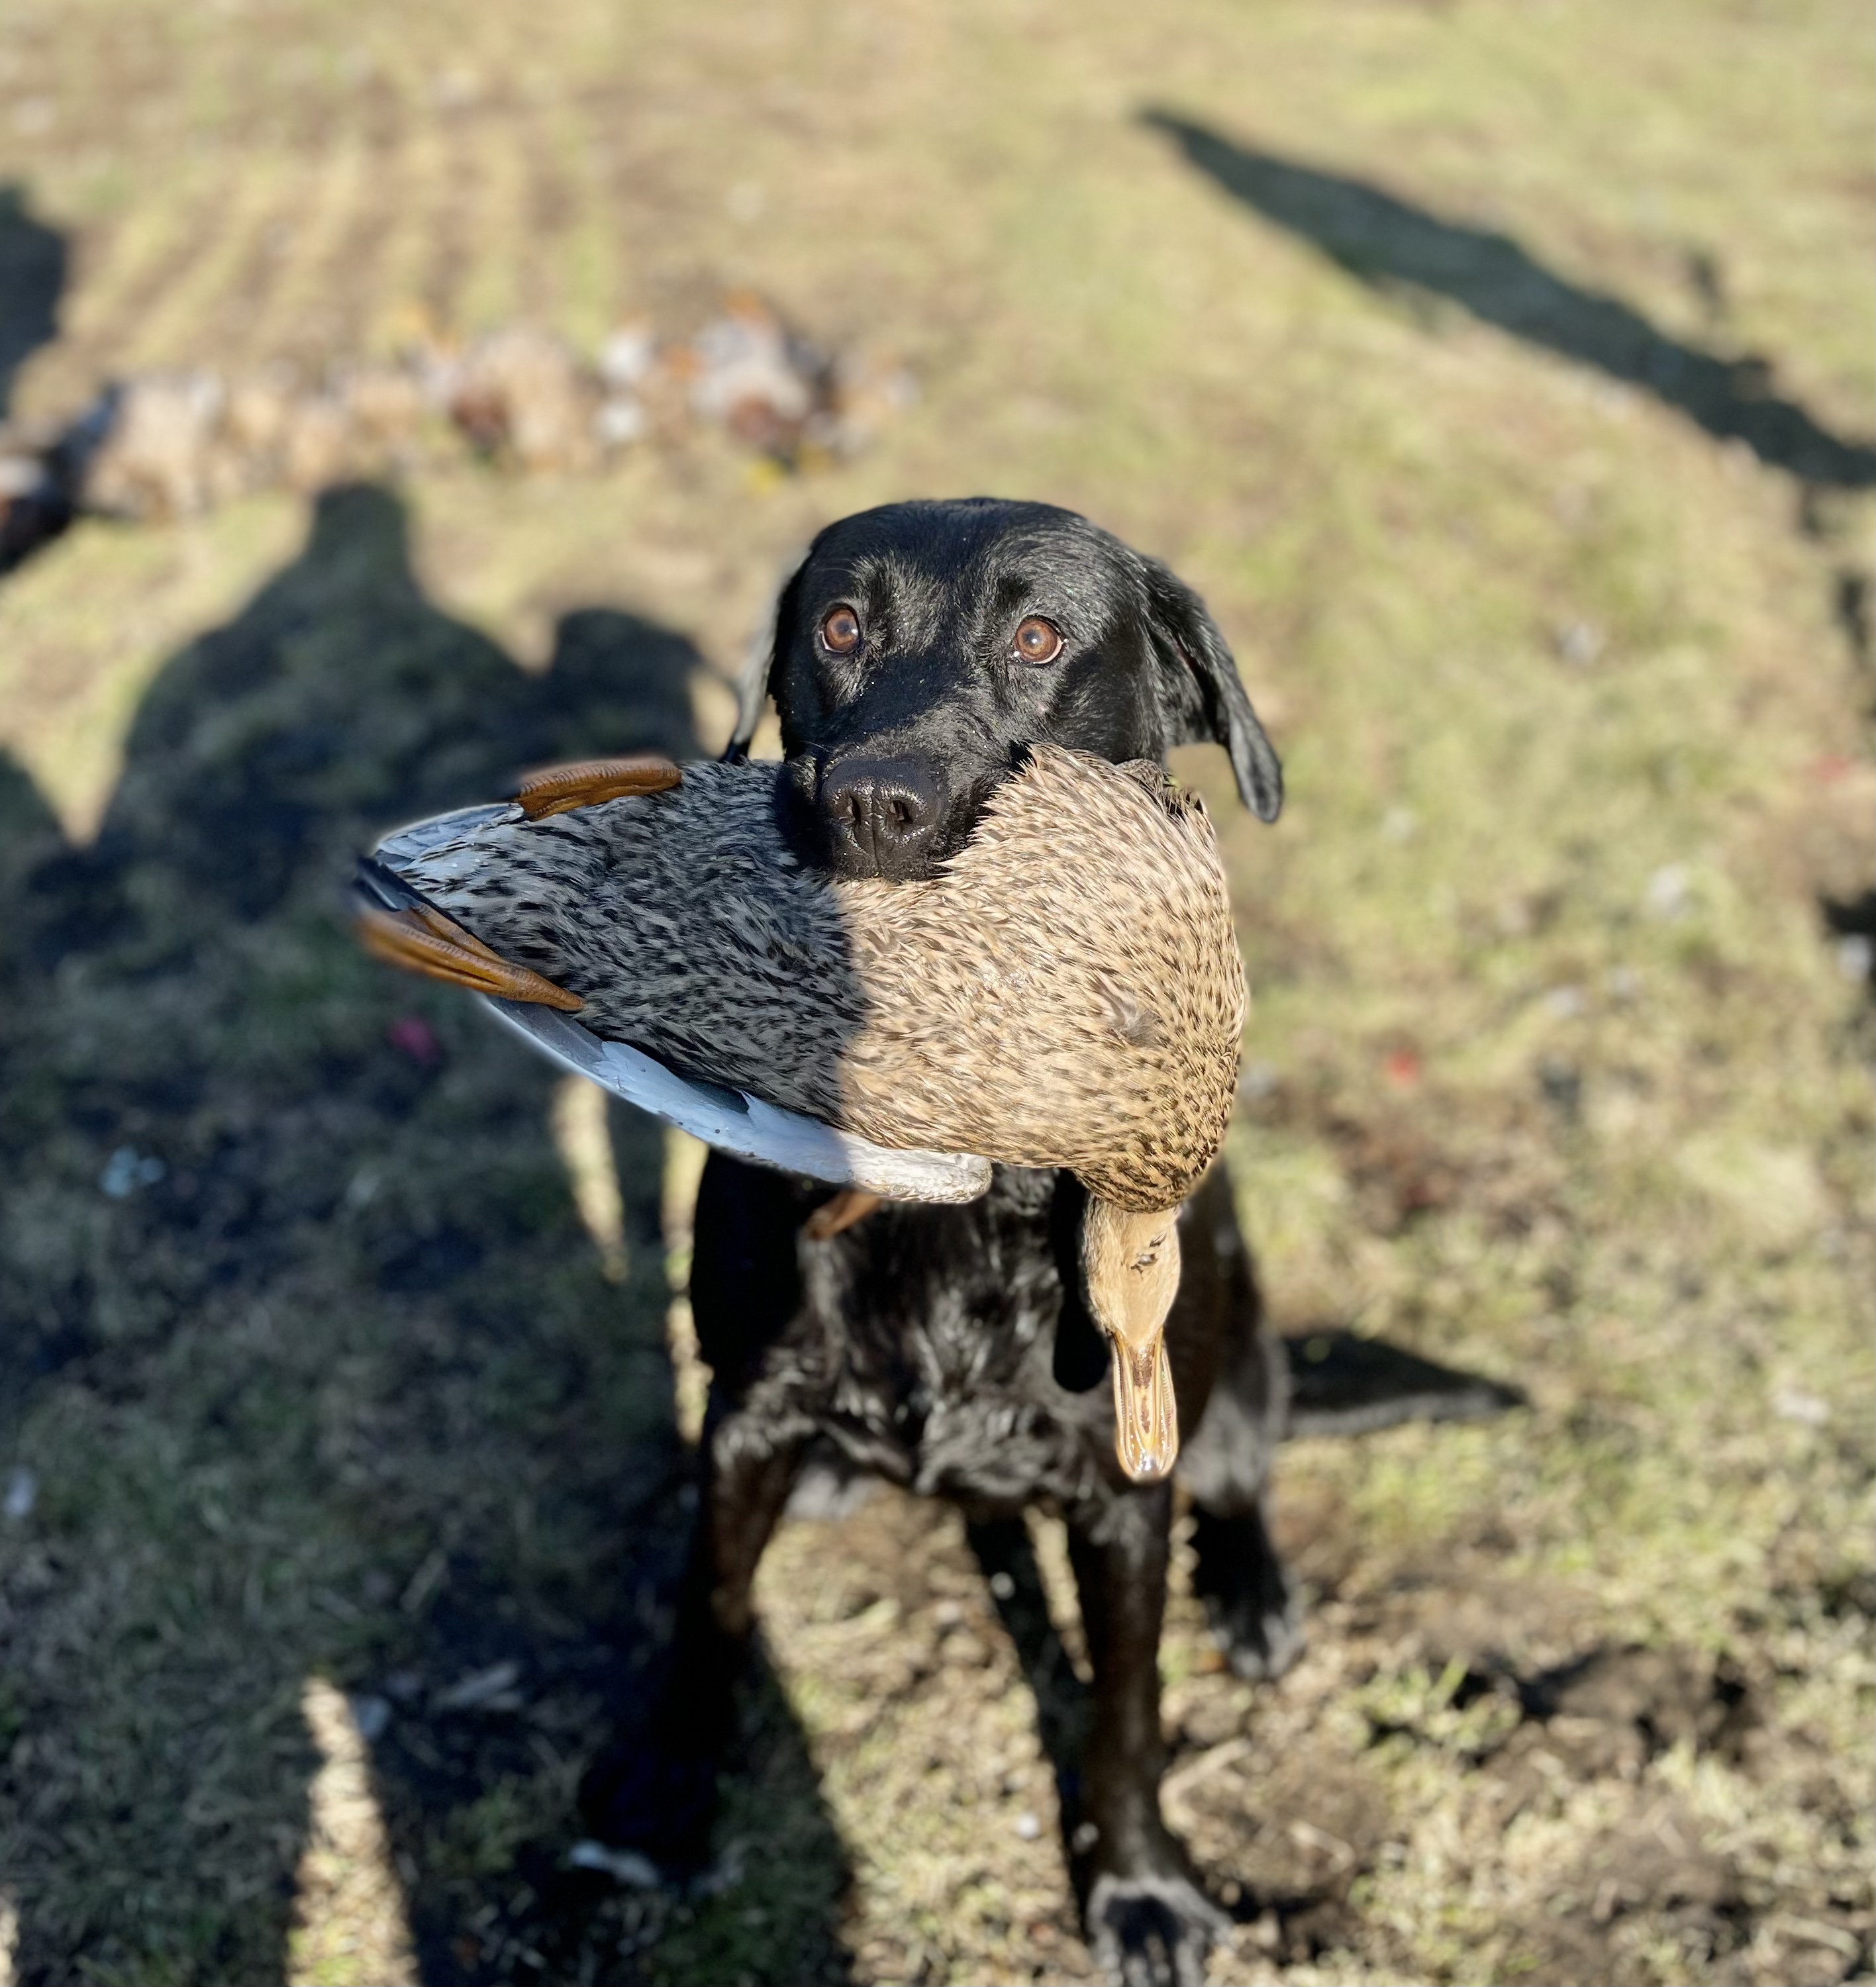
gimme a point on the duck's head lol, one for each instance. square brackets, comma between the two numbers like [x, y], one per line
[1130, 1263]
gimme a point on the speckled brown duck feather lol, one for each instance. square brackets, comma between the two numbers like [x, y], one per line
[1067, 993]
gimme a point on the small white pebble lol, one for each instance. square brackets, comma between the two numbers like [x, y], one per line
[126, 1170]
[1581, 644]
[372, 1717]
[1853, 956]
[628, 355]
[619, 422]
[1027, 1826]
[1794, 1404]
[1668, 890]
[1564, 1002]
[22, 1492]
[1002, 1586]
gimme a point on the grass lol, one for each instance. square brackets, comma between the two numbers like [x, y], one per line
[1558, 1073]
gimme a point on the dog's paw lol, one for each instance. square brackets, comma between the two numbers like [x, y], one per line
[1256, 1618]
[652, 1803]
[1152, 1932]
[1259, 1635]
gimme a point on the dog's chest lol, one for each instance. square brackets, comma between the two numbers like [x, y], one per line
[936, 1340]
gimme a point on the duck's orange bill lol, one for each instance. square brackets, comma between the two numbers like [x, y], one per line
[1145, 1414]
[1131, 1263]
[424, 941]
[560, 789]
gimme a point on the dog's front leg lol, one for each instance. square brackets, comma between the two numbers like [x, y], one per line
[1148, 1919]
[655, 1790]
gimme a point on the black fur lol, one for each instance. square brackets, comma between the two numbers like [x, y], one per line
[950, 1349]
[934, 690]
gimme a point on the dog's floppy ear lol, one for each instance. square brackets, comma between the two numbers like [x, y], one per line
[769, 642]
[1206, 702]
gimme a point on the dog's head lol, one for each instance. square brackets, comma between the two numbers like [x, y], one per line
[920, 648]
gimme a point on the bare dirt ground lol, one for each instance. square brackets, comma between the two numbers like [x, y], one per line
[1500, 373]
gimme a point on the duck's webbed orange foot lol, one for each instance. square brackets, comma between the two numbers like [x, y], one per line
[559, 789]
[836, 1216]
[421, 940]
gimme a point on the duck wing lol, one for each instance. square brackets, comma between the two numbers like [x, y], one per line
[729, 1119]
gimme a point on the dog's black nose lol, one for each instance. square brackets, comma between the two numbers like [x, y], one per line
[881, 815]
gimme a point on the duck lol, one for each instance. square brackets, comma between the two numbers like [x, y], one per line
[1065, 991]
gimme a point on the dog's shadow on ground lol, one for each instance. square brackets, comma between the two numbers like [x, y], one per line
[316, 1382]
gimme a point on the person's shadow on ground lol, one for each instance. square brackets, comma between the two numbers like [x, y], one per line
[1389, 243]
[308, 1369]
[32, 270]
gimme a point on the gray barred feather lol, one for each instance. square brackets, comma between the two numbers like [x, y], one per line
[1067, 992]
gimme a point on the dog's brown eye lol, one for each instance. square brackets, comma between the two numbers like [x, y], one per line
[840, 629]
[1038, 641]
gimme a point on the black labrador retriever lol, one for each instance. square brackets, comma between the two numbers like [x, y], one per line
[918, 651]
